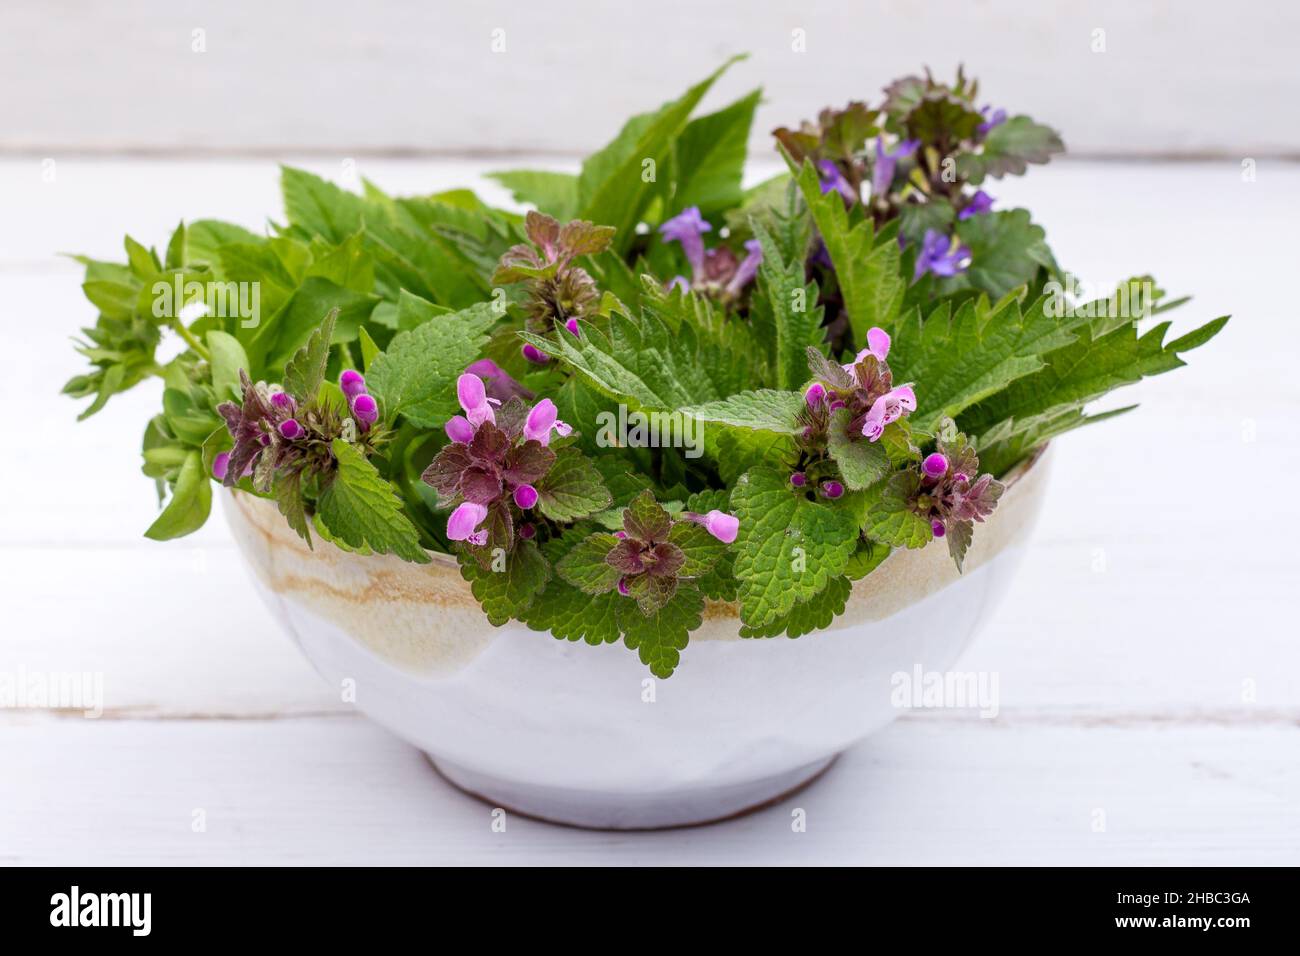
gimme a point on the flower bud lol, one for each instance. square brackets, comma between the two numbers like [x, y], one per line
[525, 496]
[798, 479]
[527, 531]
[352, 383]
[572, 326]
[365, 410]
[937, 527]
[816, 393]
[832, 489]
[221, 465]
[459, 429]
[622, 587]
[722, 525]
[935, 465]
[284, 401]
[290, 429]
[535, 355]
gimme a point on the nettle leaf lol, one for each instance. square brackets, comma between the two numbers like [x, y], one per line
[807, 616]
[1007, 250]
[866, 264]
[416, 375]
[1009, 148]
[701, 549]
[612, 187]
[890, 519]
[190, 502]
[660, 637]
[765, 410]
[645, 519]
[553, 193]
[788, 548]
[719, 582]
[288, 498]
[571, 615]
[727, 353]
[306, 370]
[710, 157]
[573, 488]
[785, 313]
[360, 508]
[585, 566]
[862, 463]
[511, 592]
[959, 361]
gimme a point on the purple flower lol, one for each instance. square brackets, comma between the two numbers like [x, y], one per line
[888, 408]
[572, 325]
[535, 355]
[283, 401]
[499, 384]
[688, 227]
[221, 465]
[463, 522]
[939, 256]
[525, 496]
[527, 531]
[798, 479]
[882, 173]
[290, 429]
[878, 342]
[831, 490]
[352, 383]
[622, 587]
[937, 527]
[473, 398]
[998, 118]
[935, 465]
[678, 282]
[816, 394]
[833, 180]
[748, 267]
[541, 421]
[459, 429]
[365, 410]
[979, 204]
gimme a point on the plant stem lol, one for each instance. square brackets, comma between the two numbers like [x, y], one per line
[190, 340]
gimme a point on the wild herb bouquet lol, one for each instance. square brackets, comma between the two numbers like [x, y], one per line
[656, 388]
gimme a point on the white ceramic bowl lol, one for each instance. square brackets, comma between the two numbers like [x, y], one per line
[583, 735]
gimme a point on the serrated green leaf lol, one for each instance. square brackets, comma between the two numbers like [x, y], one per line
[585, 568]
[785, 313]
[571, 615]
[362, 509]
[788, 548]
[766, 410]
[807, 616]
[861, 462]
[306, 370]
[553, 193]
[701, 549]
[228, 358]
[508, 593]
[572, 489]
[891, 520]
[710, 157]
[660, 637]
[1008, 148]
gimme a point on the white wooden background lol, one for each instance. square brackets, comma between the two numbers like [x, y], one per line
[1161, 585]
[1176, 77]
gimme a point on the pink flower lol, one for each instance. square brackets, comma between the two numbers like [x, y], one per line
[473, 398]
[352, 383]
[888, 408]
[572, 325]
[722, 525]
[877, 344]
[525, 496]
[935, 465]
[815, 394]
[463, 522]
[365, 410]
[535, 355]
[459, 429]
[221, 465]
[541, 420]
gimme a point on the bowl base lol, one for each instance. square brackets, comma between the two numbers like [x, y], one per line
[634, 811]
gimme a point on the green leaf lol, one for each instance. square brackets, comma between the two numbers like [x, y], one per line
[306, 370]
[511, 592]
[785, 312]
[360, 508]
[555, 194]
[861, 462]
[765, 410]
[1008, 148]
[807, 616]
[867, 558]
[659, 638]
[572, 489]
[288, 498]
[585, 567]
[571, 615]
[711, 157]
[190, 503]
[228, 358]
[416, 375]
[891, 521]
[867, 268]
[958, 362]
[701, 549]
[110, 383]
[788, 548]
[1007, 250]
[613, 189]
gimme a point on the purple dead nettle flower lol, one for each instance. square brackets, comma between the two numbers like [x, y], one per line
[717, 523]
[497, 382]
[365, 410]
[945, 494]
[978, 205]
[491, 468]
[882, 171]
[865, 387]
[997, 119]
[941, 255]
[834, 180]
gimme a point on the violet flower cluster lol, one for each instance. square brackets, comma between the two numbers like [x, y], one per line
[715, 272]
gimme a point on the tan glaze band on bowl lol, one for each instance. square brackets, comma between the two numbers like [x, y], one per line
[423, 618]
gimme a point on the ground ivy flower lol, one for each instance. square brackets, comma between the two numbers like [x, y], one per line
[748, 267]
[688, 227]
[978, 205]
[941, 255]
[886, 164]
[834, 180]
[997, 119]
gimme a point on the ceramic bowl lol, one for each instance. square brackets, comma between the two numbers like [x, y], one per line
[584, 735]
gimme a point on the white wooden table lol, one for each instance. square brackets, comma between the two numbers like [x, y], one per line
[1147, 655]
